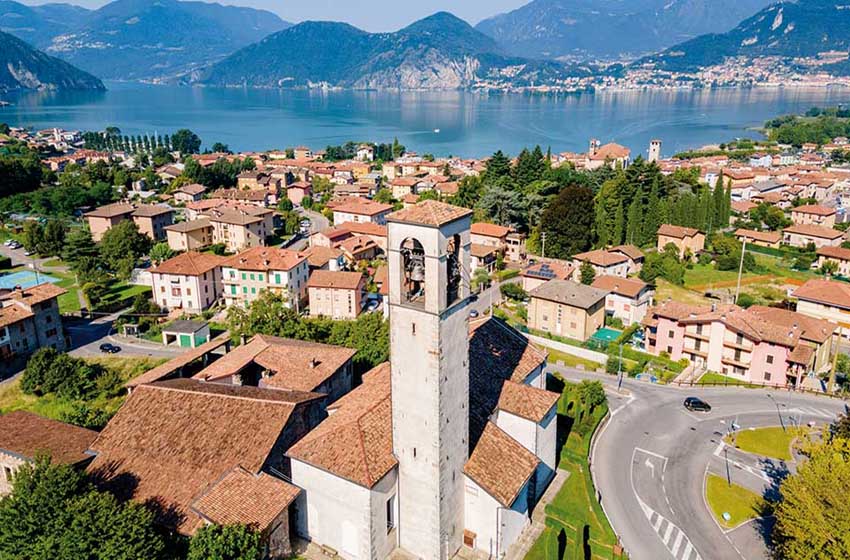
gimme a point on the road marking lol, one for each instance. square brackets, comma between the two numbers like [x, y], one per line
[649, 464]
[654, 454]
[678, 543]
[667, 534]
[671, 536]
[688, 548]
[658, 522]
[746, 468]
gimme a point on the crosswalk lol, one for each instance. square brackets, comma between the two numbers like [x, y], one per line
[674, 539]
[812, 411]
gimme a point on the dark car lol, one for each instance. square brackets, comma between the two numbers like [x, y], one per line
[697, 405]
[107, 348]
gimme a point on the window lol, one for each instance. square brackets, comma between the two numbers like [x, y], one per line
[244, 289]
[252, 277]
[260, 277]
[670, 334]
[770, 360]
[277, 278]
[244, 276]
[739, 339]
[50, 332]
[699, 329]
[767, 376]
[669, 349]
[390, 513]
[233, 290]
[7, 472]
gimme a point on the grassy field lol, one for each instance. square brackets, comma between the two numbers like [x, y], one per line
[51, 406]
[664, 290]
[572, 361]
[740, 503]
[711, 378]
[575, 508]
[769, 442]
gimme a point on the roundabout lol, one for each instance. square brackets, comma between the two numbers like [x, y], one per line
[654, 461]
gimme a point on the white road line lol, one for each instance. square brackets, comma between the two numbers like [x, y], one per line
[687, 553]
[654, 454]
[658, 523]
[667, 534]
[677, 543]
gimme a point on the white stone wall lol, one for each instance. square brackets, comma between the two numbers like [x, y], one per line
[9, 464]
[495, 526]
[547, 450]
[342, 515]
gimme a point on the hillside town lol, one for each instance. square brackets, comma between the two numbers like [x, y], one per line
[362, 352]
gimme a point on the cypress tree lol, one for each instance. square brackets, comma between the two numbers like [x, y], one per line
[619, 223]
[634, 222]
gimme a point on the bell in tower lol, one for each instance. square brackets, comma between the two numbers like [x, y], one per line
[413, 284]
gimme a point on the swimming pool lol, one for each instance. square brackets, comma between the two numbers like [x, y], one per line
[25, 279]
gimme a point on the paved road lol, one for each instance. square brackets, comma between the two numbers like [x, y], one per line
[317, 223]
[650, 462]
[87, 336]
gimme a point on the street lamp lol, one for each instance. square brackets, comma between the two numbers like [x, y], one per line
[778, 412]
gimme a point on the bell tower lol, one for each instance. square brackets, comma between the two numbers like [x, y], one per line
[429, 353]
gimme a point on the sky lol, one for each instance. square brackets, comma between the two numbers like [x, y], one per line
[371, 15]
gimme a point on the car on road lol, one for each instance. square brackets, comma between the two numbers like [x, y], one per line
[373, 305]
[14, 245]
[29, 253]
[108, 348]
[473, 314]
[697, 405]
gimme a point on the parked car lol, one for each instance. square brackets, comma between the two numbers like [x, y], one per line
[473, 314]
[108, 348]
[697, 405]
[373, 305]
[29, 253]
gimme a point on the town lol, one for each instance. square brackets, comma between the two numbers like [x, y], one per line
[363, 352]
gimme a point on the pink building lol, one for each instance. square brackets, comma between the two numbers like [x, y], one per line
[756, 345]
[190, 281]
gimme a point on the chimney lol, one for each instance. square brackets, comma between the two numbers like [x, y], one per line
[314, 363]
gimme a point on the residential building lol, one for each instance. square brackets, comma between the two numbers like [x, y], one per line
[628, 299]
[448, 445]
[761, 238]
[839, 255]
[688, 241]
[298, 191]
[208, 453]
[324, 258]
[360, 210]
[635, 256]
[491, 235]
[819, 236]
[483, 257]
[604, 263]
[193, 235]
[152, 219]
[189, 193]
[247, 274]
[612, 155]
[539, 273]
[566, 308]
[190, 281]
[29, 320]
[515, 248]
[241, 228]
[826, 299]
[24, 436]
[102, 219]
[338, 295]
[814, 214]
[358, 249]
[756, 345]
[286, 365]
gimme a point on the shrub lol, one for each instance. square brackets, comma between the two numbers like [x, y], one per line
[513, 291]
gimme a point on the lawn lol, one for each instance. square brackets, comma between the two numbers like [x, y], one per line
[52, 263]
[121, 292]
[740, 503]
[664, 290]
[711, 378]
[572, 361]
[70, 302]
[768, 442]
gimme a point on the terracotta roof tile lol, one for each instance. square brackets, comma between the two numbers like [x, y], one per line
[526, 401]
[111, 210]
[35, 294]
[629, 250]
[355, 442]
[489, 230]
[430, 213]
[677, 231]
[829, 292]
[601, 257]
[362, 207]
[814, 209]
[26, 435]
[335, 279]
[320, 256]
[191, 225]
[264, 258]
[763, 236]
[628, 287]
[838, 253]
[151, 210]
[245, 498]
[171, 440]
[190, 263]
[500, 465]
[172, 366]
[11, 314]
[812, 230]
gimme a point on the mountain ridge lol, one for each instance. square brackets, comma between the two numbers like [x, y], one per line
[24, 67]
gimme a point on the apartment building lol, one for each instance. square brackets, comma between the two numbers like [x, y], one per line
[190, 281]
[814, 214]
[567, 309]
[839, 255]
[803, 234]
[193, 235]
[539, 273]
[102, 219]
[761, 238]
[246, 275]
[756, 345]
[688, 241]
[240, 228]
[826, 299]
[29, 320]
[360, 210]
[152, 219]
[628, 299]
[338, 295]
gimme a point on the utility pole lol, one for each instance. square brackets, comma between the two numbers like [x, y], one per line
[620, 369]
[543, 241]
[831, 384]
[740, 270]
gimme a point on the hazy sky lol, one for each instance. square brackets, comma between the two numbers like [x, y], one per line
[372, 15]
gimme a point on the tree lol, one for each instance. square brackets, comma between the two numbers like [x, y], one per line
[813, 518]
[504, 206]
[186, 142]
[592, 394]
[513, 291]
[225, 542]
[588, 274]
[568, 222]
[498, 166]
[829, 267]
[53, 239]
[468, 192]
[54, 512]
[530, 167]
[124, 242]
[33, 235]
[480, 279]
[841, 427]
[219, 148]
[161, 252]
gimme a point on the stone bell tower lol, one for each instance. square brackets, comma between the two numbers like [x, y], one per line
[429, 353]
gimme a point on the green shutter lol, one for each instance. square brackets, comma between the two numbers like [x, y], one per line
[277, 278]
[233, 290]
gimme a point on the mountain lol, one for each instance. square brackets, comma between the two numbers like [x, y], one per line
[149, 39]
[438, 52]
[787, 29]
[37, 25]
[606, 29]
[23, 67]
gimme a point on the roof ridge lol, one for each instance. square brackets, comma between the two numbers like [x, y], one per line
[212, 394]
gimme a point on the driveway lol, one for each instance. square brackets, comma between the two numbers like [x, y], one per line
[87, 336]
[650, 461]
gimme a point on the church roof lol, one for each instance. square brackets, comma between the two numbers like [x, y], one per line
[429, 213]
[500, 465]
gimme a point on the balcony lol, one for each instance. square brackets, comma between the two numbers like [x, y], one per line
[695, 352]
[733, 362]
[745, 346]
[697, 336]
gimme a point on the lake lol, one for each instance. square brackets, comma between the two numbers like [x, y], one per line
[443, 123]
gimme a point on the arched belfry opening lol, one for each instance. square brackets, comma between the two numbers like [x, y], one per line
[413, 272]
[453, 269]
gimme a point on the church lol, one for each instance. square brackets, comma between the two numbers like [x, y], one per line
[453, 441]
